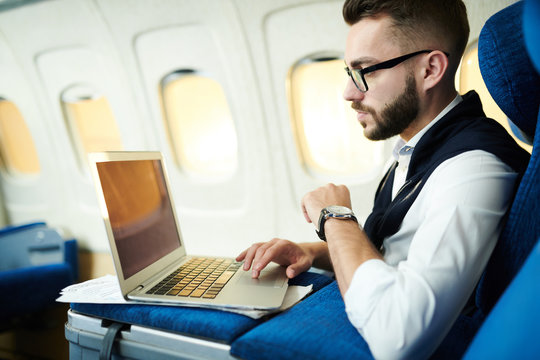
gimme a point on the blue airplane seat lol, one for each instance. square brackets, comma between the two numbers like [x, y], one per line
[35, 264]
[511, 329]
[316, 328]
[514, 84]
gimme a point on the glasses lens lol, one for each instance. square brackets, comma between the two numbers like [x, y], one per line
[357, 79]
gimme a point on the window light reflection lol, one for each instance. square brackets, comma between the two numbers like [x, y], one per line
[17, 149]
[90, 120]
[201, 128]
[329, 139]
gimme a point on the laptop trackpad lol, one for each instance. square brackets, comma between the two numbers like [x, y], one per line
[271, 278]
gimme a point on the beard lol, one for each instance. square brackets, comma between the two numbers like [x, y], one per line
[396, 116]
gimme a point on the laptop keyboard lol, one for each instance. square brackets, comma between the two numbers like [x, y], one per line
[197, 278]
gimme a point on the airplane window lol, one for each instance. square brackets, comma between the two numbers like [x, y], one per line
[199, 123]
[471, 78]
[90, 121]
[330, 140]
[17, 149]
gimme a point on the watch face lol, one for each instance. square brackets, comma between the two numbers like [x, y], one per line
[339, 210]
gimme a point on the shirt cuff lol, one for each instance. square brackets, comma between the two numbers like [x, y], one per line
[364, 293]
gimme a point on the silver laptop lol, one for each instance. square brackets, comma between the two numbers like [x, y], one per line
[147, 249]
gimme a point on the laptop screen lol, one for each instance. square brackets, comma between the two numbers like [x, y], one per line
[140, 212]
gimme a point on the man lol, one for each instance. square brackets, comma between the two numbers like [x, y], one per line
[408, 272]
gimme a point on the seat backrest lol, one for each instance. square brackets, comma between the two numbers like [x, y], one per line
[30, 245]
[512, 327]
[514, 84]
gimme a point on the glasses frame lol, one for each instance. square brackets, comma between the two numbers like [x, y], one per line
[358, 74]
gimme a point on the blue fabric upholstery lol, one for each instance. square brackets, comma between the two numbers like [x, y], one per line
[206, 323]
[515, 85]
[317, 328]
[531, 16]
[511, 329]
[71, 257]
[506, 68]
[29, 289]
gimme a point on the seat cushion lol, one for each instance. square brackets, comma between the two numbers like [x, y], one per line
[317, 328]
[511, 329]
[211, 324]
[31, 289]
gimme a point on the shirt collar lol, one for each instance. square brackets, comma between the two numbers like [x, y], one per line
[406, 148]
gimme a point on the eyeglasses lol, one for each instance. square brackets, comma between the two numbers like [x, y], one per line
[357, 75]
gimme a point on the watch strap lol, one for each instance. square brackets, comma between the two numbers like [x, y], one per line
[325, 214]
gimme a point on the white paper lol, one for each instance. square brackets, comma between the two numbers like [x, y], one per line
[105, 290]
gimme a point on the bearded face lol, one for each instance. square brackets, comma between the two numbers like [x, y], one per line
[396, 115]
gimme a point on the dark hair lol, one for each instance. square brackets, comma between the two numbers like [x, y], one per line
[418, 22]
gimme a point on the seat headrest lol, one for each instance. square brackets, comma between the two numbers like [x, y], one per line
[531, 30]
[507, 69]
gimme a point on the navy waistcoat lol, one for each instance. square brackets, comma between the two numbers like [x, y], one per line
[464, 128]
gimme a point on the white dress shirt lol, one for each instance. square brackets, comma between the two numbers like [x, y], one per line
[404, 306]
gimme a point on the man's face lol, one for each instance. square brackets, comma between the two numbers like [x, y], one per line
[394, 117]
[391, 104]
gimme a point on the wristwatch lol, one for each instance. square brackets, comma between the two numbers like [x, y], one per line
[336, 212]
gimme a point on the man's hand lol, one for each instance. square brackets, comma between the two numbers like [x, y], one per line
[298, 257]
[330, 194]
[283, 252]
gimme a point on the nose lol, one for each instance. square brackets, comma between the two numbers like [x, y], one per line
[351, 92]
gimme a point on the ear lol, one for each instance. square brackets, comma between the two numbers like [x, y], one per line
[434, 67]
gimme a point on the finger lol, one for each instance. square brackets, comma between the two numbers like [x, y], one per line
[270, 253]
[241, 256]
[283, 254]
[259, 263]
[297, 268]
[290, 272]
[250, 254]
